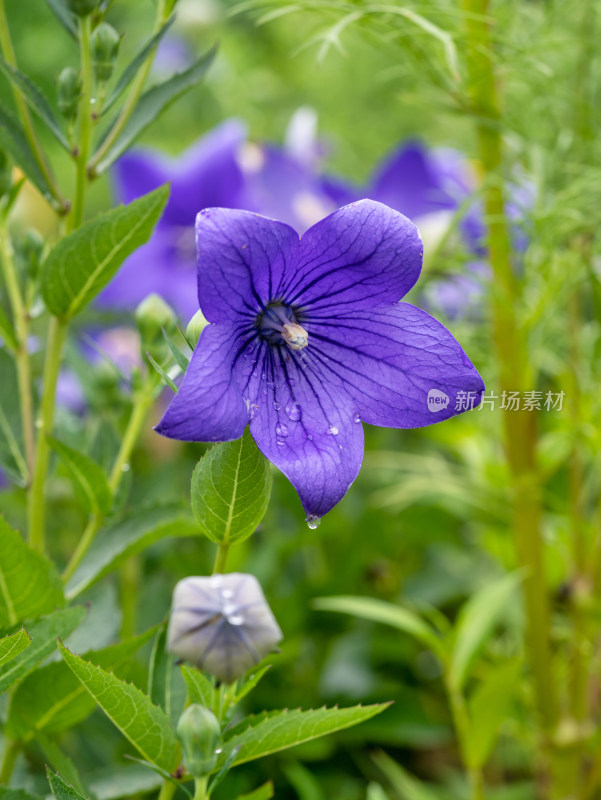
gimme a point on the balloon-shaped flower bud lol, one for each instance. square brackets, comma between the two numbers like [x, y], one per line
[222, 624]
[82, 7]
[105, 46]
[199, 732]
[69, 92]
[153, 316]
[195, 327]
[5, 174]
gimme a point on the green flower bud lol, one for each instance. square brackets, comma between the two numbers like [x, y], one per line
[82, 7]
[69, 91]
[153, 316]
[199, 732]
[5, 174]
[195, 327]
[105, 46]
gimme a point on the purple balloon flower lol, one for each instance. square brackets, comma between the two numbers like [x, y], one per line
[307, 340]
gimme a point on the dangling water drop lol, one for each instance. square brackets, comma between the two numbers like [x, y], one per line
[276, 405]
[333, 430]
[356, 418]
[313, 521]
[294, 411]
[281, 429]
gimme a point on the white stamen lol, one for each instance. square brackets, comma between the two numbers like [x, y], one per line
[295, 336]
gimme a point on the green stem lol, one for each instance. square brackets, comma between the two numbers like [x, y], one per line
[461, 724]
[9, 758]
[167, 790]
[200, 788]
[57, 331]
[21, 321]
[142, 402]
[85, 121]
[10, 58]
[519, 427]
[131, 102]
[221, 558]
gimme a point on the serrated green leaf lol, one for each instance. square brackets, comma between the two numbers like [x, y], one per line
[89, 475]
[124, 782]
[12, 457]
[200, 688]
[7, 332]
[476, 622]
[264, 792]
[11, 646]
[60, 762]
[145, 725]
[82, 263]
[29, 582]
[159, 672]
[64, 16]
[283, 729]
[488, 707]
[152, 104]
[230, 490]
[35, 98]
[388, 614]
[14, 141]
[52, 699]
[132, 69]
[44, 633]
[160, 371]
[251, 681]
[117, 542]
[60, 789]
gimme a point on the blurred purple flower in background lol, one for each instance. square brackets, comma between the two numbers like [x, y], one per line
[307, 340]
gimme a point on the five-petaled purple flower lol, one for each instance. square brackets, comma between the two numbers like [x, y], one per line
[307, 340]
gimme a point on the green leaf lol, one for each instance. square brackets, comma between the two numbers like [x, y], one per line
[264, 792]
[386, 613]
[29, 582]
[251, 681]
[152, 104]
[16, 794]
[132, 69]
[476, 622]
[60, 762]
[11, 646]
[488, 708]
[44, 633]
[125, 782]
[14, 141]
[7, 332]
[52, 699]
[145, 725]
[160, 371]
[117, 542]
[82, 263]
[159, 673]
[405, 785]
[280, 730]
[12, 458]
[200, 688]
[64, 16]
[60, 789]
[35, 98]
[230, 490]
[89, 475]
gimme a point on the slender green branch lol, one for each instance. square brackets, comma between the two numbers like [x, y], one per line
[520, 431]
[221, 558]
[132, 99]
[57, 332]
[21, 321]
[461, 724]
[200, 788]
[167, 790]
[85, 121]
[11, 751]
[10, 58]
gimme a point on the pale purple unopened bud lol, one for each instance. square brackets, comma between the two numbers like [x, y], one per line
[222, 624]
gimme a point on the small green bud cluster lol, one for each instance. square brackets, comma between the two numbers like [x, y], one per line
[105, 47]
[69, 91]
[199, 732]
[153, 316]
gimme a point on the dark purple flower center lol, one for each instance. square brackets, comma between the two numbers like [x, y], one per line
[280, 324]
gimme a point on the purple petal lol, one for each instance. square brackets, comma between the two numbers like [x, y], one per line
[209, 406]
[303, 422]
[139, 172]
[361, 256]
[398, 363]
[241, 260]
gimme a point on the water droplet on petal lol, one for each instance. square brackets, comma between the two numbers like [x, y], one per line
[313, 521]
[294, 411]
[236, 619]
[276, 405]
[333, 430]
[356, 418]
[281, 429]
[226, 593]
[280, 442]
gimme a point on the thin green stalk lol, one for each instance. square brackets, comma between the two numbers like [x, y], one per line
[131, 102]
[200, 788]
[9, 758]
[85, 121]
[21, 321]
[221, 558]
[142, 403]
[57, 331]
[461, 724]
[520, 432]
[10, 58]
[167, 790]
